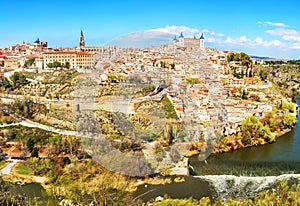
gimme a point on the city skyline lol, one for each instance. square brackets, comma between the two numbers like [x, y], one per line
[257, 28]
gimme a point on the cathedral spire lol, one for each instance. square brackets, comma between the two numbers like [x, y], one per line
[202, 37]
[81, 41]
[181, 35]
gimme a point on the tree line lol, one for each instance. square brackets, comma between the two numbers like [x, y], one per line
[240, 57]
[56, 65]
[17, 80]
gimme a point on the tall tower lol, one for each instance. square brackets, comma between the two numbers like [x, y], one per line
[81, 41]
[181, 40]
[202, 42]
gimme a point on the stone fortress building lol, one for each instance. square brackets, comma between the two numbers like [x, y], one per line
[182, 42]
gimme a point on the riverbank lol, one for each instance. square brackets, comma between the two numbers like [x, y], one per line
[234, 142]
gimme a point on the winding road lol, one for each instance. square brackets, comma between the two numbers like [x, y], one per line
[7, 169]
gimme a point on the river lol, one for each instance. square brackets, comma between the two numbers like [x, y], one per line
[240, 173]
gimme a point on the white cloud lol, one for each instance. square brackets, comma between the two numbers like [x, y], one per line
[281, 31]
[259, 40]
[240, 40]
[243, 39]
[295, 46]
[275, 43]
[229, 40]
[176, 30]
[286, 34]
[186, 31]
[275, 24]
[210, 40]
[216, 34]
[257, 43]
[291, 38]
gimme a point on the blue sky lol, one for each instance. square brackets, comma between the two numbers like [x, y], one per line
[266, 28]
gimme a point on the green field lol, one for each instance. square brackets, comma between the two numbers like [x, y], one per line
[23, 169]
[2, 163]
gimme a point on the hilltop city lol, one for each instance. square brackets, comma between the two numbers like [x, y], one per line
[154, 106]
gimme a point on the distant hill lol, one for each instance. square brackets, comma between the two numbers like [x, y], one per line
[142, 39]
[267, 58]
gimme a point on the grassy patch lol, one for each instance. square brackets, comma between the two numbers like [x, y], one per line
[2, 164]
[168, 108]
[23, 169]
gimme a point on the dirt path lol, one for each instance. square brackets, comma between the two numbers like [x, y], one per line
[7, 170]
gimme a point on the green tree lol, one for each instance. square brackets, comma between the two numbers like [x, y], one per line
[265, 132]
[19, 79]
[242, 57]
[67, 65]
[35, 152]
[288, 106]
[50, 65]
[55, 139]
[112, 78]
[236, 57]
[54, 65]
[245, 59]
[1, 154]
[56, 143]
[234, 72]
[244, 94]
[252, 129]
[29, 62]
[172, 66]
[30, 144]
[170, 135]
[250, 73]
[263, 74]
[192, 80]
[230, 57]
[273, 123]
[4, 82]
[289, 120]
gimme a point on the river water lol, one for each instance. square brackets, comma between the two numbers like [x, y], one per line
[31, 190]
[241, 173]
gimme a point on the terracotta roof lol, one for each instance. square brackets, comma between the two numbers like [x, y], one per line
[60, 52]
[83, 53]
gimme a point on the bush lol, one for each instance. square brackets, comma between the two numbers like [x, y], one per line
[289, 120]
[288, 106]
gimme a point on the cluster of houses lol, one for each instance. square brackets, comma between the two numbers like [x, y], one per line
[172, 64]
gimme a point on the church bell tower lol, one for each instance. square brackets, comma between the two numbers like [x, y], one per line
[81, 41]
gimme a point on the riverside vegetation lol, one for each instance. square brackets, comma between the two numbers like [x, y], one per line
[285, 193]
